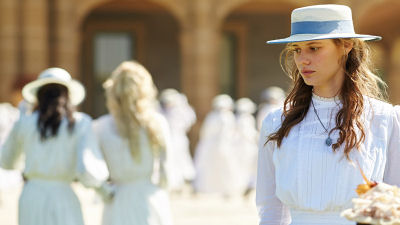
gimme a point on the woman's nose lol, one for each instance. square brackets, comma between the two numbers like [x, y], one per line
[303, 59]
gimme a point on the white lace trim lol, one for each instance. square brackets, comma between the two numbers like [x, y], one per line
[332, 99]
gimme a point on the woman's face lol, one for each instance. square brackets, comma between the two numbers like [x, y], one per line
[319, 63]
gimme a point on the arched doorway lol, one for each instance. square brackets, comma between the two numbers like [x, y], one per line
[248, 64]
[124, 30]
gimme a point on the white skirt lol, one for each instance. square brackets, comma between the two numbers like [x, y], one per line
[318, 218]
[138, 203]
[49, 203]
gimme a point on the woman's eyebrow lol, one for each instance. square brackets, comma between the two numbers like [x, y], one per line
[314, 42]
[311, 43]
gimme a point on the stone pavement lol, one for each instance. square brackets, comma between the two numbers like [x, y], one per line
[187, 209]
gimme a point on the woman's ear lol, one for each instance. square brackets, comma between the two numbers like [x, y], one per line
[347, 46]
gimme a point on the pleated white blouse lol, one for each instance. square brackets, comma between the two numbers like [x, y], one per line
[304, 182]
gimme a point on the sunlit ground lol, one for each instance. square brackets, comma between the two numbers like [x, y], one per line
[187, 209]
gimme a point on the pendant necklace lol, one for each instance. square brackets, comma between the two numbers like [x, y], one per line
[328, 140]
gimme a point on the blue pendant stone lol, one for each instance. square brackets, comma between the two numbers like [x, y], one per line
[328, 141]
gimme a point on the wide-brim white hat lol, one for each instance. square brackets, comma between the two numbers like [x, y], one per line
[57, 76]
[319, 22]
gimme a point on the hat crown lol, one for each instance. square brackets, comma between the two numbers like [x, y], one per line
[327, 12]
[319, 22]
[55, 73]
[322, 19]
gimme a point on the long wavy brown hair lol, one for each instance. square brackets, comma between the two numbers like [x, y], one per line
[53, 105]
[359, 81]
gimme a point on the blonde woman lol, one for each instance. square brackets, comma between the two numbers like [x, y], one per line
[131, 137]
[333, 118]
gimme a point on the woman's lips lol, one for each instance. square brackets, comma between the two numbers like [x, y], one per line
[307, 72]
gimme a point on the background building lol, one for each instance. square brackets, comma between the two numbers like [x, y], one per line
[200, 47]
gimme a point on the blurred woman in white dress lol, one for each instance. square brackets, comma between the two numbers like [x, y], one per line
[59, 147]
[215, 157]
[131, 137]
[246, 143]
[272, 98]
[181, 117]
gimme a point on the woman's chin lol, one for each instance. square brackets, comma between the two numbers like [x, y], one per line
[310, 82]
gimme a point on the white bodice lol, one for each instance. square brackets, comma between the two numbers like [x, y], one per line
[123, 168]
[65, 157]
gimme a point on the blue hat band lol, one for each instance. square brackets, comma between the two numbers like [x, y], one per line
[323, 27]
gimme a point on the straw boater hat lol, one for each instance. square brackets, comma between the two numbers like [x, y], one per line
[322, 22]
[76, 91]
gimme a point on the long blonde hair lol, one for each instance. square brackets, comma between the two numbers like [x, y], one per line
[131, 100]
[359, 81]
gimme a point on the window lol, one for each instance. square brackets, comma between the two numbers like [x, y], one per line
[109, 50]
[228, 72]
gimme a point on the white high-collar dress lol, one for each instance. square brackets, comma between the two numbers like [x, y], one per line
[51, 166]
[304, 182]
[180, 117]
[137, 200]
[216, 158]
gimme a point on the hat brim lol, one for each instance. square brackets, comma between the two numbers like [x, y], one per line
[75, 89]
[310, 37]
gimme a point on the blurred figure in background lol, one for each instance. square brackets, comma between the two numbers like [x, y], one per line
[8, 116]
[59, 147]
[131, 137]
[215, 156]
[181, 117]
[271, 98]
[246, 143]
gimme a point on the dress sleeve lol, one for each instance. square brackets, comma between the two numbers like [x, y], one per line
[392, 169]
[12, 148]
[91, 168]
[270, 209]
[164, 159]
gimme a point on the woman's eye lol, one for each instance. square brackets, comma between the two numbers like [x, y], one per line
[297, 50]
[314, 48]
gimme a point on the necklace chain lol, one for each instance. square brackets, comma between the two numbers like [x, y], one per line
[328, 140]
[315, 111]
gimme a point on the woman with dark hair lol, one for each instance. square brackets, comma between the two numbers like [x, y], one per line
[333, 118]
[59, 147]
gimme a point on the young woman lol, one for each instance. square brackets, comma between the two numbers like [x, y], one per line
[59, 147]
[333, 119]
[131, 138]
